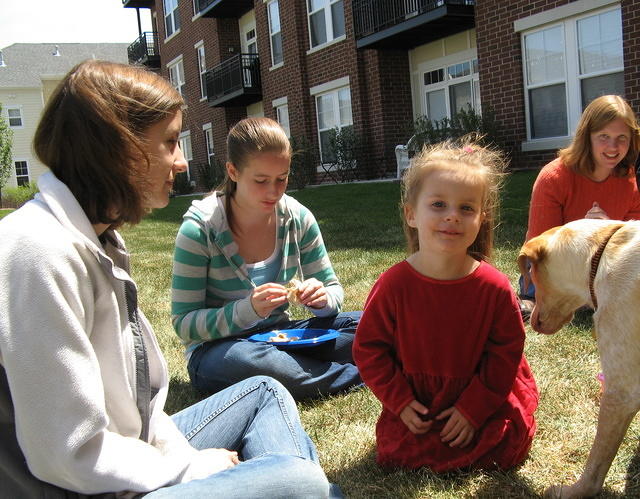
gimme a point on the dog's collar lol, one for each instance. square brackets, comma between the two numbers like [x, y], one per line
[595, 260]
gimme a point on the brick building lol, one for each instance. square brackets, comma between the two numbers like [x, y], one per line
[377, 65]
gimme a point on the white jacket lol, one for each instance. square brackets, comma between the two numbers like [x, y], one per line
[88, 415]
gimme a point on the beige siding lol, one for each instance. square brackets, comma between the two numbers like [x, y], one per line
[30, 101]
[438, 49]
[255, 110]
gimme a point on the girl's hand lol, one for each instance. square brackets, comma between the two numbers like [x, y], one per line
[266, 297]
[313, 294]
[410, 416]
[210, 461]
[458, 431]
[597, 212]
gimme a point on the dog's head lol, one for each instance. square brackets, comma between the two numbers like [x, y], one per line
[547, 260]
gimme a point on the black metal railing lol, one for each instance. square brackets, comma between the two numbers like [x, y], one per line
[223, 8]
[372, 16]
[145, 4]
[145, 50]
[203, 4]
[238, 74]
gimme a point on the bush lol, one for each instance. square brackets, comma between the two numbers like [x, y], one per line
[182, 184]
[426, 131]
[210, 175]
[14, 197]
[348, 155]
[303, 163]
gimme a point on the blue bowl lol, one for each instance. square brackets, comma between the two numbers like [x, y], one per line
[306, 337]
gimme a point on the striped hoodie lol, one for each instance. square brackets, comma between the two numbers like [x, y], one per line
[211, 289]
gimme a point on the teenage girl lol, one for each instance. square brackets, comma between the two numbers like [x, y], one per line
[235, 253]
[441, 340]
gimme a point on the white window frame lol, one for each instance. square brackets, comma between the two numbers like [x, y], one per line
[20, 117]
[281, 107]
[566, 18]
[202, 68]
[171, 18]
[177, 78]
[332, 88]
[443, 64]
[15, 171]
[273, 33]
[328, 21]
[184, 141]
[208, 142]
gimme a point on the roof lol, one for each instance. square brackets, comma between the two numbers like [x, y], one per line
[27, 63]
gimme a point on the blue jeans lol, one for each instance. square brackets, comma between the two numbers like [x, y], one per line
[529, 293]
[306, 372]
[259, 419]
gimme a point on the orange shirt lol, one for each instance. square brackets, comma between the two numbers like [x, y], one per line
[560, 196]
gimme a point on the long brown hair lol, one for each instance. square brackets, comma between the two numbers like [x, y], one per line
[597, 115]
[91, 136]
[248, 137]
[467, 160]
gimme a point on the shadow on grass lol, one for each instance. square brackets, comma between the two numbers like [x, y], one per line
[365, 479]
[632, 483]
[181, 395]
[583, 318]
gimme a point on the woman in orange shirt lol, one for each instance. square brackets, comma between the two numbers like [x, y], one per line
[592, 178]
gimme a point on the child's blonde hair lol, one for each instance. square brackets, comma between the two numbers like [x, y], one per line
[467, 160]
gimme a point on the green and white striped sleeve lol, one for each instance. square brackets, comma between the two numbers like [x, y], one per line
[207, 300]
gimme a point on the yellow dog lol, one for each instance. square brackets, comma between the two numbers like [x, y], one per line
[594, 263]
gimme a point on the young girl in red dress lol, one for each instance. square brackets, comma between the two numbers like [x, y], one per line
[441, 340]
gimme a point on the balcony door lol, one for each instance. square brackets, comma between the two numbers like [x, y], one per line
[248, 44]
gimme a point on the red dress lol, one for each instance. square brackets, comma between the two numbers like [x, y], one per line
[447, 343]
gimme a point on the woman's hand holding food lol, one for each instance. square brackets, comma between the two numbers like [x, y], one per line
[266, 297]
[597, 212]
[312, 293]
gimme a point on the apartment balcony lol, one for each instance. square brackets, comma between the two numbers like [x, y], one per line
[141, 4]
[145, 50]
[404, 24]
[223, 8]
[234, 82]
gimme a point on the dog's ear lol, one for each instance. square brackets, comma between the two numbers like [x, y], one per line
[531, 254]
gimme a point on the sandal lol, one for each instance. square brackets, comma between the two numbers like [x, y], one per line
[526, 307]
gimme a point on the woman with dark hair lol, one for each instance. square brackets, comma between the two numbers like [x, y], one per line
[82, 378]
[591, 178]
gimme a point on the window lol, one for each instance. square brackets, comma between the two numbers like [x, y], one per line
[334, 111]
[171, 17]
[15, 117]
[208, 139]
[22, 173]
[274, 32]
[326, 20]
[282, 115]
[202, 67]
[185, 146]
[566, 66]
[176, 75]
[450, 89]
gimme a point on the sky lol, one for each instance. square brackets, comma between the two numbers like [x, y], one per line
[69, 21]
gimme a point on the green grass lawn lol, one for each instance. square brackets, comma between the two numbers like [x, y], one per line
[4, 212]
[361, 227]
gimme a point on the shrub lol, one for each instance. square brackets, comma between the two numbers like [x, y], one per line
[303, 163]
[14, 197]
[426, 131]
[210, 175]
[348, 155]
[182, 184]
